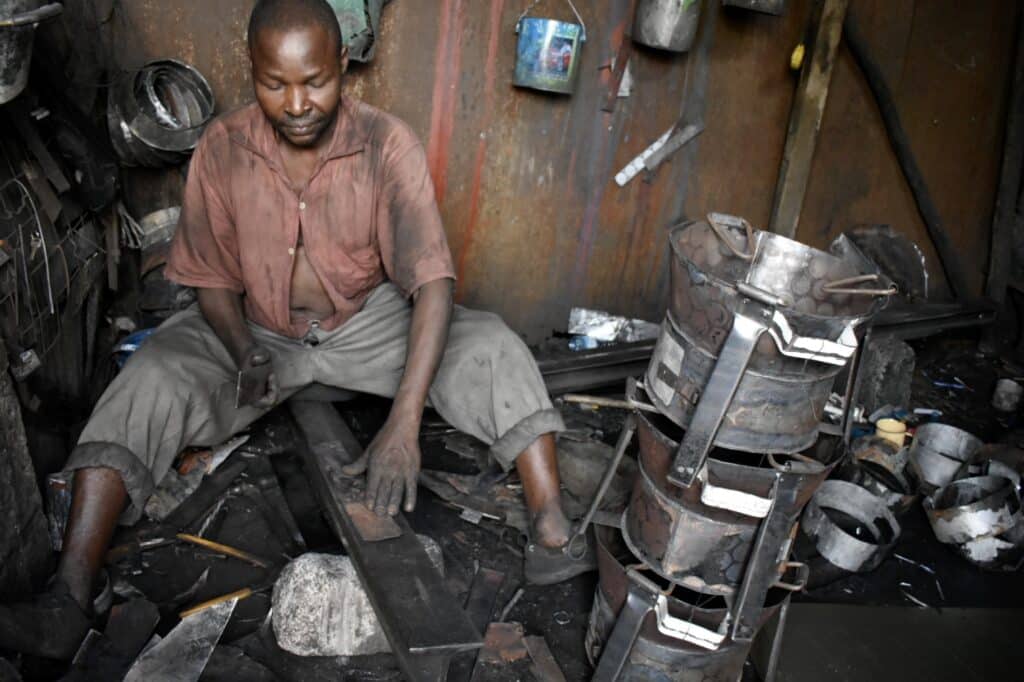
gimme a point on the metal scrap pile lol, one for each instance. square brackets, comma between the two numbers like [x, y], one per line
[727, 424]
[972, 503]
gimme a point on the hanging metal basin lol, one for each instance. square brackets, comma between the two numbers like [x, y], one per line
[18, 19]
[717, 270]
[655, 655]
[548, 54]
[156, 116]
[703, 537]
[666, 24]
[777, 407]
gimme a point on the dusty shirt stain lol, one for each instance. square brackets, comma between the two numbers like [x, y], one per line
[368, 214]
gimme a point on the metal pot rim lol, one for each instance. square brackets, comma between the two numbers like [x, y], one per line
[876, 305]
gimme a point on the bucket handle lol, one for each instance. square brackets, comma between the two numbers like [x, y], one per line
[841, 286]
[583, 37]
[718, 220]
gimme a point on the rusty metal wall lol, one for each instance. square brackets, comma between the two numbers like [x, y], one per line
[524, 179]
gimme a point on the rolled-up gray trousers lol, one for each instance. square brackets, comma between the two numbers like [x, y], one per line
[178, 389]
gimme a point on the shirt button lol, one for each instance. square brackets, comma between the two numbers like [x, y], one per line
[291, 252]
[302, 205]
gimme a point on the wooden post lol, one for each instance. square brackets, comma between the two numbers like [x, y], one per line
[1006, 216]
[805, 117]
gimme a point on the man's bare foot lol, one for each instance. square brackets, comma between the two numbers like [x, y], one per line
[549, 527]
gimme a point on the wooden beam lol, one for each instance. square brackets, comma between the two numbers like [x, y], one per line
[806, 114]
[1005, 217]
[420, 616]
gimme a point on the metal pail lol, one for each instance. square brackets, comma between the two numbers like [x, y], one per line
[548, 52]
[666, 24]
[17, 29]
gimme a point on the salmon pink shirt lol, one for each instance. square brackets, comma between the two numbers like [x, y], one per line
[368, 214]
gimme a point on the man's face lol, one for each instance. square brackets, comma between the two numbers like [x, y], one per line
[297, 76]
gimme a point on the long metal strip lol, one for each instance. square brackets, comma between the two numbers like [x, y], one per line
[715, 400]
[420, 616]
[762, 567]
[639, 602]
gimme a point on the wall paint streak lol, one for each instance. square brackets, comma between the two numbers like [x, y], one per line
[490, 80]
[445, 95]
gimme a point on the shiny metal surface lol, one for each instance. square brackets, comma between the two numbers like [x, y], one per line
[156, 115]
[836, 542]
[715, 270]
[652, 654]
[939, 452]
[703, 537]
[666, 24]
[973, 507]
[775, 407]
[17, 35]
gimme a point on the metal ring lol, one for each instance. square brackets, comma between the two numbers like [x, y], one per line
[569, 547]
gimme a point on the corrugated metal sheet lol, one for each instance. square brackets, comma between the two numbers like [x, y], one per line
[524, 179]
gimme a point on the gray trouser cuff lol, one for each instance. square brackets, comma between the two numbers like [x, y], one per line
[507, 448]
[138, 480]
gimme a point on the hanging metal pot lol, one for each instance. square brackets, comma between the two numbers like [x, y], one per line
[18, 19]
[666, 24]
[156, 116]
[548, 52]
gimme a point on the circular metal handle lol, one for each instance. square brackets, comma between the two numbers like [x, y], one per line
[713, 221]
[842, 286]
[583, 24]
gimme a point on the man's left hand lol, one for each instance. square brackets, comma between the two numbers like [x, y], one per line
[393, 464]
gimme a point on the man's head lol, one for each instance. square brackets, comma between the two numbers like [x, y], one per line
[297, 64]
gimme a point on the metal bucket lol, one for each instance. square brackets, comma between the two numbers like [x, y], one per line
[548, 52]
[704, 537]
[17, 30]
[666, 24]
[777, 406]
[655, 655]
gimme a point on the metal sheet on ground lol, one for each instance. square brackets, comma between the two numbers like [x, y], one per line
[181, 656]
[878, 644]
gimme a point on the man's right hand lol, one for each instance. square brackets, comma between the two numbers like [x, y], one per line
[257, 383]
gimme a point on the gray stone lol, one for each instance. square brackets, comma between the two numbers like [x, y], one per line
[886, 374]
[321, 609]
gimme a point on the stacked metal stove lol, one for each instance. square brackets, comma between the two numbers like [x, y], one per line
[727, 425]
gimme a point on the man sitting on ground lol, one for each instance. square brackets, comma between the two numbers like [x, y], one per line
[308, 225]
